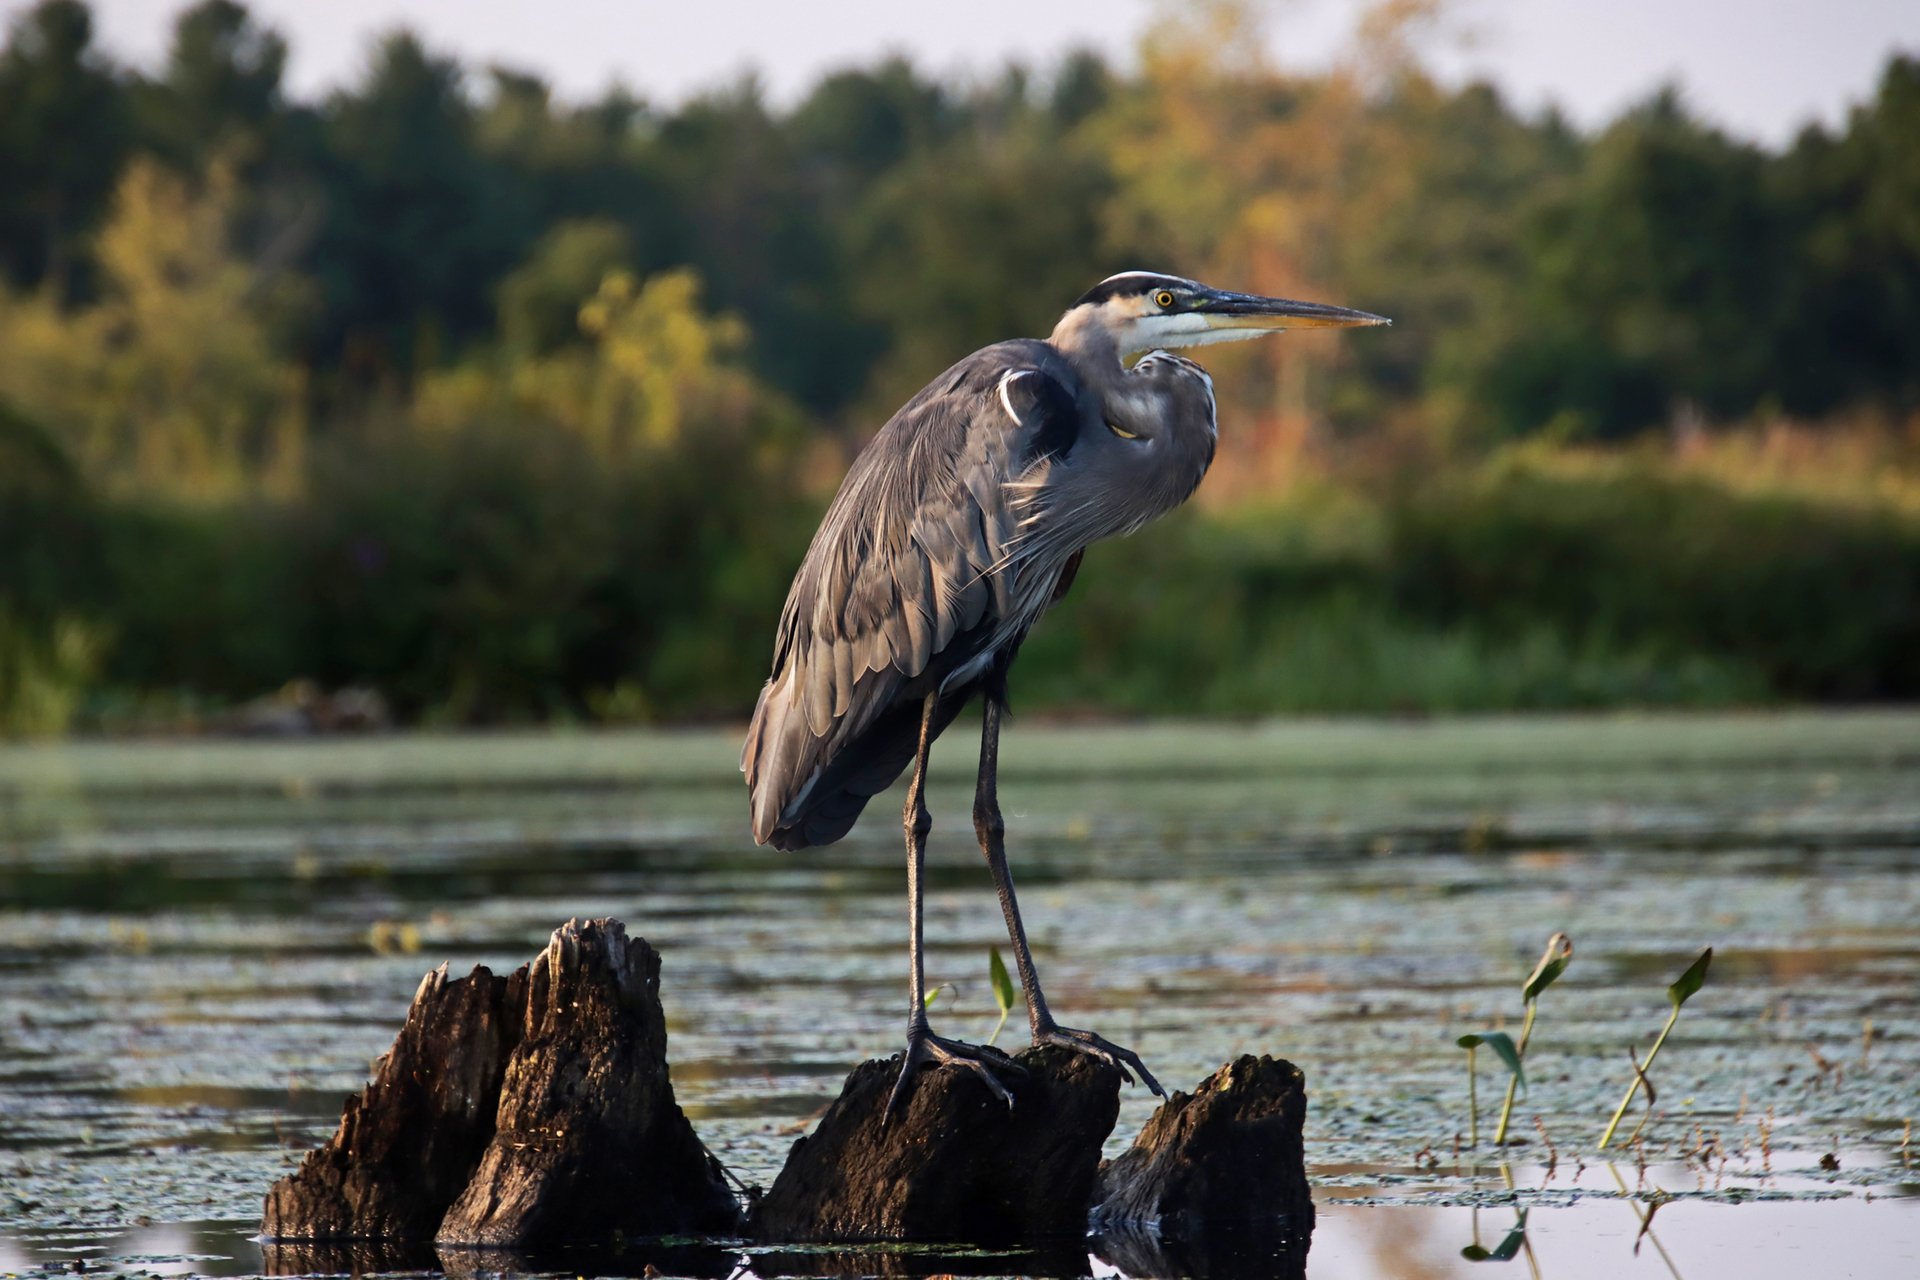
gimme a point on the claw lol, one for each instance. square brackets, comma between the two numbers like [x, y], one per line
[923, 1046]
[1099, 1047]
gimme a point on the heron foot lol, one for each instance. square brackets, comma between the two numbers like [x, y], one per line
[1126, 1061]
[924, 1047]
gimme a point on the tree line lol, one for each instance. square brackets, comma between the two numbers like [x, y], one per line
[515, 406]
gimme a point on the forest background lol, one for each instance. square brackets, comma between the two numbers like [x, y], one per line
[500, 408]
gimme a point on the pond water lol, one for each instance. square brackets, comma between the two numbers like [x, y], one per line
[203, 946]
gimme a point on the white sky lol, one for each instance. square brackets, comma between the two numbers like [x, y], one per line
[1757, 67]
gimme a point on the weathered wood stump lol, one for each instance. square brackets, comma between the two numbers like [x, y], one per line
[409, 1141]
[957, 1164]
[531, 1111]
[1216, 1183]
[1229, 1152]
[588, 1142]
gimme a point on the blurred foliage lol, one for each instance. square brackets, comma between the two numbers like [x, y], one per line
[168, 382]
[515, 408]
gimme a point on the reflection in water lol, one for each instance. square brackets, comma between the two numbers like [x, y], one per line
[345, 1257]
[1230, 1251]
[1065, 1260]
[1592, 1239]
[1509, 1247]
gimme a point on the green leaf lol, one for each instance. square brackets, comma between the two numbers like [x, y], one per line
[1508, 1250]
[1502, 1043]
[1553, 962]
[929, 998]
[1511, 1246]
[997, 974]
[1691, 981]
[1470, 1041]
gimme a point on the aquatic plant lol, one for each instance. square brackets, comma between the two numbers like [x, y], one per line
[1553, 962]
[1002, 989]
[1678, 994]
[1515, 1243]
[1507, 1250]
[1502, 1044]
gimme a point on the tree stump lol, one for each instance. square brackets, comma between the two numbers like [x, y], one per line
[588, 1143]
[1216, 1183]
[1225, 1155]
[530, 1111]
[957, 1164]
[409, 1141]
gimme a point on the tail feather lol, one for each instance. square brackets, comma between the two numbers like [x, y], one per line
[777, 743]
[800, 798]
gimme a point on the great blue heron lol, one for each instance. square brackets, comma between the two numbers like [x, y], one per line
[956, 528]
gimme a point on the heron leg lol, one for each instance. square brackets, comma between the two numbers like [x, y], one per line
[991, 829]
[922, 1045]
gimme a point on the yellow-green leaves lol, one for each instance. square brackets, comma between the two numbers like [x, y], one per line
[1553, 962]
[1678, 993]
[1691, 981]
[167, 382]
[1505, 1049]
[1546, 971]
[1509, 1053]
[1002, 989]
[650, 361]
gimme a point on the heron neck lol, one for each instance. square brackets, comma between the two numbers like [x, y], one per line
[1089, 344]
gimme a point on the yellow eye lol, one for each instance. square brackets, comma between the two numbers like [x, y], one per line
[1122, 432]
[1163, 299]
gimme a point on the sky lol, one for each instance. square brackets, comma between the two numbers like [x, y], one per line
[1759, 68]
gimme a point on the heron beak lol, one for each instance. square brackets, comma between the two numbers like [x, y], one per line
[1250, 311]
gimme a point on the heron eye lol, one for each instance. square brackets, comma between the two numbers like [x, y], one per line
[1163, 299]
[1122, 432]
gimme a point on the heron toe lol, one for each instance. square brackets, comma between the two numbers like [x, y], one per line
[1126, 1061]
[924, 1047]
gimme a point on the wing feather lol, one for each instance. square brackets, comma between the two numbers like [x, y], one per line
[902, 585]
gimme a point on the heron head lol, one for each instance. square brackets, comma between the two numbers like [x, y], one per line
[1145, 310]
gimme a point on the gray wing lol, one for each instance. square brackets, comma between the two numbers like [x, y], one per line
[905, 585]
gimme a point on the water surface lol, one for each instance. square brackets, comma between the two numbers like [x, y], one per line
[203, 946]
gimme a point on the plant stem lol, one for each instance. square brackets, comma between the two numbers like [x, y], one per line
[1634, 1088]
[1513, 1082]
[1473, 1105]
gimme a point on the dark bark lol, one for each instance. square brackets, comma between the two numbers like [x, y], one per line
[530, 1112]
[589, 1145]
[957, 1164]
[408, 1142]
[533, 1113]
[1227, 1155]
